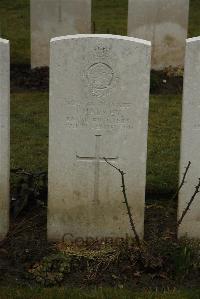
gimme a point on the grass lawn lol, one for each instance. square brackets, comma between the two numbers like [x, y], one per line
[62, 293]
[29, 137]
[194, 20]
[15, 26]
[29, 130]
[163, 143]
[109, 16]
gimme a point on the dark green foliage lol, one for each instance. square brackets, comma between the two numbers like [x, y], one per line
[52, 270]
[29, 190]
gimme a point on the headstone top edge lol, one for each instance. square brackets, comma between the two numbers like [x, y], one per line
[193, 39]
[4, 41]
[103, 36]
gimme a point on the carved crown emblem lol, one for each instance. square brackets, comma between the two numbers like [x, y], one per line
[102, 50]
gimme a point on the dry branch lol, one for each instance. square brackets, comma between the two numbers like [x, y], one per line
[127, 204]
[189, 204]
[182, 182]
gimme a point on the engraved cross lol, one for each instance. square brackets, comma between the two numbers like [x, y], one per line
[96, 159]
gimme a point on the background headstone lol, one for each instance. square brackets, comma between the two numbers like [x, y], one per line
[51, 18]
[165, 24]
[190, 141]
[99, 97]
[4, 136]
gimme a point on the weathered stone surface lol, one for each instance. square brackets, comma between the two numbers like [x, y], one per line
[4, 136]
[165, 24]
[99, 97]
[190, 141]
[51, 18]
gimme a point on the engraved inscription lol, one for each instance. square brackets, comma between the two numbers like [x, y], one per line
[96, 159]
[100, 75]
[99, 116]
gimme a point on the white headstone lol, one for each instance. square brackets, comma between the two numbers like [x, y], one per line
[4, 136]
[51, 18]
[190, 141]
[165, 24]
[99, 97]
